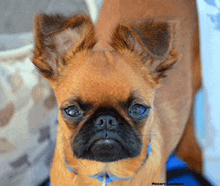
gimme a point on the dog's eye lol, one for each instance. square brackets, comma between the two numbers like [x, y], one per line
[138, 111]
[73, 111]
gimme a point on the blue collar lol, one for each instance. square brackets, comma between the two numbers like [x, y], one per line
[108, 177]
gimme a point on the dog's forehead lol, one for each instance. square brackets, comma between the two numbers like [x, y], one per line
[103, 76]
[103, 63]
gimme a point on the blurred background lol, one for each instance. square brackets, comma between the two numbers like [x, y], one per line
[28, 110]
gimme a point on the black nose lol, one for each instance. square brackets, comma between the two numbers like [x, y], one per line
[106, 122]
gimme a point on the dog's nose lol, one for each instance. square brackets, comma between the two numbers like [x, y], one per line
[106, 122]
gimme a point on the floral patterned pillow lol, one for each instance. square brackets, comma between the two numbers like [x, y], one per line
[28, 120]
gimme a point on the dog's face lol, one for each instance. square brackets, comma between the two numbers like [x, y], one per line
[105, 97]
[104, 107]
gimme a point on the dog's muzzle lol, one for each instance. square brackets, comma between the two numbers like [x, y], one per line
[106, 145]
[107, 137]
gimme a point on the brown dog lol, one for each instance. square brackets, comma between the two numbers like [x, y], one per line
[113, 104]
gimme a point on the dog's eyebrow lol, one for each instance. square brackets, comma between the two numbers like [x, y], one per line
[83, 106]
[79, 102]
[126, 104]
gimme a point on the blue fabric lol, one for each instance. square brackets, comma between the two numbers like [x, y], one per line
[185, 180]
[175, 163]
[178, 172]
[47, 183]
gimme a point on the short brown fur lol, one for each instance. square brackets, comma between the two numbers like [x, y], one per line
[104, 65]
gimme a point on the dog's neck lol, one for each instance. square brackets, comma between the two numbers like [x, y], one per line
[105, 178]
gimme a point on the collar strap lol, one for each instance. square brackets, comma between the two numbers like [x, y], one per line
[70, 168]
[105, 178]
[108, 178]
[149, 148]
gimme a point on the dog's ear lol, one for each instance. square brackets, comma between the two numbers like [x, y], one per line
[55, 36]
[152, 40]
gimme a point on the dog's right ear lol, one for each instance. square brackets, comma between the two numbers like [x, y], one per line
[56, 35]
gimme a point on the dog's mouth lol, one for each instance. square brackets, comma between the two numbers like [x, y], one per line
[105, 137]
[107, 149]
[107, 146]
[105, 142]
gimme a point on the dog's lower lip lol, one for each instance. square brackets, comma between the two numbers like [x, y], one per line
[105, 141]
[104, 135]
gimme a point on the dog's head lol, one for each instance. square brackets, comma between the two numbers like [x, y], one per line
[105, 97]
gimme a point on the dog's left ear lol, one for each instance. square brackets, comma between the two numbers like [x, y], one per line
[55, 36]
[152, 40]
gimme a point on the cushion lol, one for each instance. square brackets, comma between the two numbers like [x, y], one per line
[28, 120]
